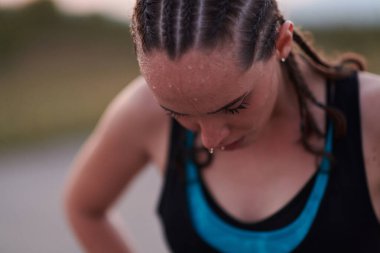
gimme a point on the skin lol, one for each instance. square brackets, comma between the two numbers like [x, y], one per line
[135, 130]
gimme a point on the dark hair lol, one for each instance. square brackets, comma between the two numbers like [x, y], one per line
[175, 26]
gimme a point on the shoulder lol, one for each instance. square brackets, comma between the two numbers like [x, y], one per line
[116, 150]
[370, 103]
[137, 102]
[370, 122]
[134, 116]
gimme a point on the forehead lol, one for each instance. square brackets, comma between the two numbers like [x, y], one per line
[196, 75]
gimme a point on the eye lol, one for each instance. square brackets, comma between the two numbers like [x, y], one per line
[174, 114]
[237, 109]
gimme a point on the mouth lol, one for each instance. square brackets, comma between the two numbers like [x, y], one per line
[234, 145]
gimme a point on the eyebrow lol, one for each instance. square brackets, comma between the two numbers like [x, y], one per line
[213, 112]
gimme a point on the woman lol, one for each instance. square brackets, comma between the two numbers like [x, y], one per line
[270, 150]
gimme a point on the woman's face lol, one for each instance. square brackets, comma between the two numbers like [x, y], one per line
[210, 94]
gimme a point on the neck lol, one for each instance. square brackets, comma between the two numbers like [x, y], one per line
[287, 105]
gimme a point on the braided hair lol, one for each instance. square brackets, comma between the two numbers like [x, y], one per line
[175, 26]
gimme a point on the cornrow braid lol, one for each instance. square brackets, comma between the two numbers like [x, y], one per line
[354, 59]
[308, 50]
[187, 29]
[268, 40]
[217, 25]
[175, 26]
[327, 69]
[332, 72]
[138, 25]
[217, 22]
[308, 125]
[255, 19]
[169, 26]
[145, 12]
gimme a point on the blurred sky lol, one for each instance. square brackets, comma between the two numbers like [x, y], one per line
[306, 12]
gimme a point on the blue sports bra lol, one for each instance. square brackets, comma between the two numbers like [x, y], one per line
[335, 213]
[229, 239]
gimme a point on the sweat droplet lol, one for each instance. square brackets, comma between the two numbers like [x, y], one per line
[170, 86]
[189, 67]
[153, 87]
[195, 99]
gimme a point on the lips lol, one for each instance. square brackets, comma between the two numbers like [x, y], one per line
[234, 145]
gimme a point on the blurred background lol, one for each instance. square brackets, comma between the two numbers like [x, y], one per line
[61, 63]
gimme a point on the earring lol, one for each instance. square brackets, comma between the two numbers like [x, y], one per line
[283, 60]
[211, 151]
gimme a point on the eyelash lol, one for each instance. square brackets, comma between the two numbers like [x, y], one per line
[232, 111]
[236, 110]
[174, 115]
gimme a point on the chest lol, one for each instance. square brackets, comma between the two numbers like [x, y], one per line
[255, 184]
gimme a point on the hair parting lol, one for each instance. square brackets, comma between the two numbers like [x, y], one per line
[175, 26]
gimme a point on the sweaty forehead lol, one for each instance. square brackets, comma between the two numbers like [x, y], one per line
[195, 75]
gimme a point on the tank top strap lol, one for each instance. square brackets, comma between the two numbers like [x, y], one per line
[348, 171]
[348, 150]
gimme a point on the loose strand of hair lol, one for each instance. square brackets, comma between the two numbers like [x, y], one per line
[308, 50]
[340, 126]
[308, 124]
[329, 70]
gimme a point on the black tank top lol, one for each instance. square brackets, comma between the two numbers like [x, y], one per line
[345, 221]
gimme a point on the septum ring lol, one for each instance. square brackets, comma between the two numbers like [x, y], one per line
[211, 150]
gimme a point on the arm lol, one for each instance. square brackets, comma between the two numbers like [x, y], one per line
[114, 153]
[370, 120]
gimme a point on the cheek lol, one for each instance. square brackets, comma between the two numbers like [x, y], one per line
[255, 116]
[246, 122]
[263, 101]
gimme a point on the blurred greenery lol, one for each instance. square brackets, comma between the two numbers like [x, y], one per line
[58, 73]
[364, 40]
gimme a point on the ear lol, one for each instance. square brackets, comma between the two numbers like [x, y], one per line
[284, 41]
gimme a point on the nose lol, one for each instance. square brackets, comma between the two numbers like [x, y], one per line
[213, 133]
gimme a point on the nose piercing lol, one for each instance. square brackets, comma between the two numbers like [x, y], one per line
[283, 60]
[211, 150]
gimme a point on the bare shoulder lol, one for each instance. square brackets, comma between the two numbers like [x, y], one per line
[118, 148]
[369, 81]
[135, 116]
[370, 103]
[136, 106]
[370, 121]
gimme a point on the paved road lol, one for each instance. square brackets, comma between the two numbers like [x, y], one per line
[31, 216]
